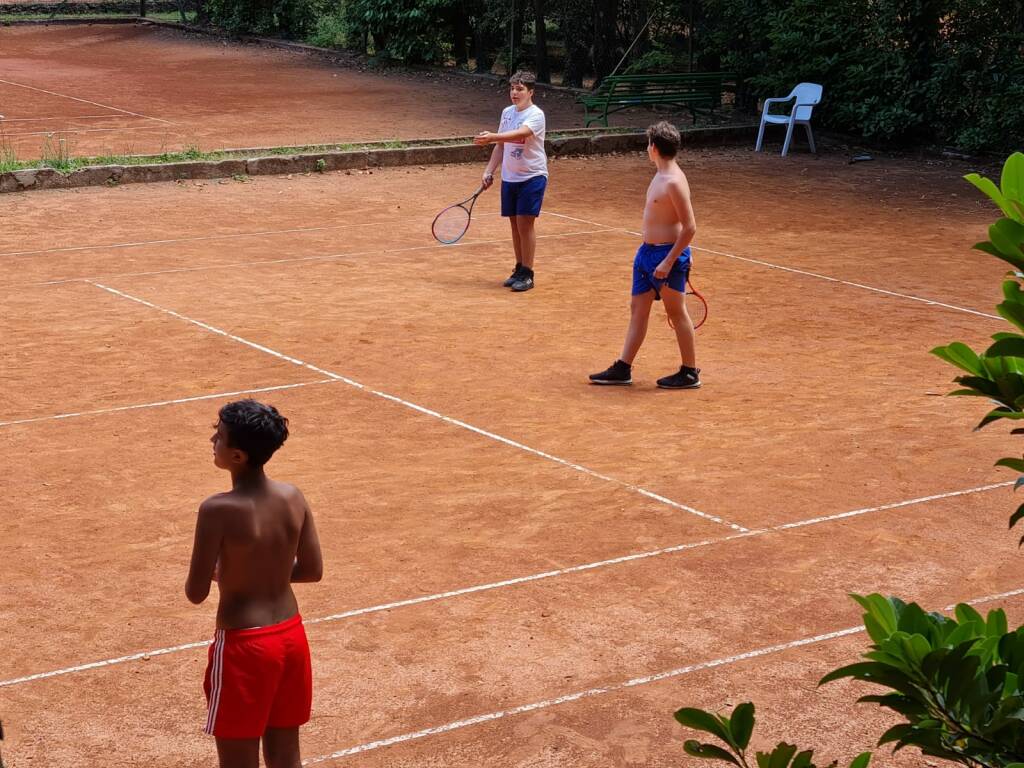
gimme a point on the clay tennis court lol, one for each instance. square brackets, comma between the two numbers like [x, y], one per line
[136, 88]
[520, 569]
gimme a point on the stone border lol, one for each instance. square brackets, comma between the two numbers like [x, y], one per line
[110, 175]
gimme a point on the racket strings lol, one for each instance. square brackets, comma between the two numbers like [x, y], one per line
[451, 224]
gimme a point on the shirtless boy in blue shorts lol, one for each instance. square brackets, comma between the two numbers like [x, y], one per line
[519, 150]
[662, 265]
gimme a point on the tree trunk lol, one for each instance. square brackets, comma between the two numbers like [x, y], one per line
[483, 51]
[576, 30]
[460, 31]
[605, 18]
[541, 31]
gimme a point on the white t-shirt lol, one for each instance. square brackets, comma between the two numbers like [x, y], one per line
[523, 158]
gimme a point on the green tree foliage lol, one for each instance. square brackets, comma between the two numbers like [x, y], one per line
[894, 71]
[948, 71]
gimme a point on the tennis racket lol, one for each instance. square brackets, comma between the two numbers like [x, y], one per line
[696, 304]
[453, 222]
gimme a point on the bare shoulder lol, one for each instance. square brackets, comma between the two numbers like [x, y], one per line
[290, 493]
[219, 503]
[677, 181]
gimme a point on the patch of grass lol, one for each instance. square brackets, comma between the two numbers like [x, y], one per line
[8, 162]
[57, 153]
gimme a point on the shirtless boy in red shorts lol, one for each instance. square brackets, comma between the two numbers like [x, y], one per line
[255, 541]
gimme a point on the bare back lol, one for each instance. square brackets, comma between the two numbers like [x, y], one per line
[255, 540]
[662, 219]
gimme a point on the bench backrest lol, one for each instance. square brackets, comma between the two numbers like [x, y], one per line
[705, 83]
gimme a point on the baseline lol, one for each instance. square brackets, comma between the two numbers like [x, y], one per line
[805, 273]
[299, 259]
[525, 580]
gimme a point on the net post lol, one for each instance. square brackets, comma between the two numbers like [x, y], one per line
[142, 8]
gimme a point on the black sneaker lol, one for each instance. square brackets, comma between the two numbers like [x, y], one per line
[619, 373]
[516, 273]
[684, 378]
[524, 282]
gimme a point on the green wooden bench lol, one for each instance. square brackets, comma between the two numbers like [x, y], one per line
[695, 91]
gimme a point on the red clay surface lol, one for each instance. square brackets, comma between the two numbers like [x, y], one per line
[819, 399]
[138, 89]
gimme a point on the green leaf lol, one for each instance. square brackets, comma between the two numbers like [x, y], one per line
[989, 188]
[1012, 312]
[965, 613]
[1007, 236]
[1011, 181]
[803, 759]
[960, 355]
[861, 760]
[700, 720]
[882, 610]
[742, 724]
[996, 623]
[708, 752]
[1012, 347]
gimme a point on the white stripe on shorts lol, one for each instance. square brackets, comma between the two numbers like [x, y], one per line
[216, 681]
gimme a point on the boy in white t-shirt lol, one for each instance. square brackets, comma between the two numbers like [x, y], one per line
[519, 150]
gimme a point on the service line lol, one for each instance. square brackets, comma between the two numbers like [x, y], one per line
[582, 568]
[425, 411]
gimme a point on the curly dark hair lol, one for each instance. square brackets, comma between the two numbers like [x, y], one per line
[255, 428]
[665, 138]
[525, 77]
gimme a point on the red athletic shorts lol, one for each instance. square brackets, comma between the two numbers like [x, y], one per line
[257, 679]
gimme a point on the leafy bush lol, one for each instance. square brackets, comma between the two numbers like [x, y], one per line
[331, 31]
[734, 732]
[997, 374]
[403, 29]
[958, 683]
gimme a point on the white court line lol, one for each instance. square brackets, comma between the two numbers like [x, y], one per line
[160, 403]
[86, 101]
[817, 275]
[296, 259]
[531, 578]
[60, 131]
[631, 683]
[228, 236]
[426, 411]
[7, 120]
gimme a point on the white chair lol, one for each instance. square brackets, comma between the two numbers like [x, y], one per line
[804, 97]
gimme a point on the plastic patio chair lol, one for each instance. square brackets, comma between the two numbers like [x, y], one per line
[804, 97]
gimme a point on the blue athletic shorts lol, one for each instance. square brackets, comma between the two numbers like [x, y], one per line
[648, 257]
[523, 198]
